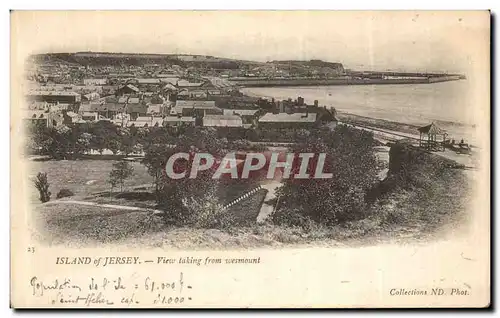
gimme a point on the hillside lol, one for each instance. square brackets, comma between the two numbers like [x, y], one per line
[139, 59]
[311, 63]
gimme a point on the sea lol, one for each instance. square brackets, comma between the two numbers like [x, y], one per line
[450, 105]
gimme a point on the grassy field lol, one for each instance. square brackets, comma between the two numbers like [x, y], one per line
[83, 177]
[83, 225]
[77, 225]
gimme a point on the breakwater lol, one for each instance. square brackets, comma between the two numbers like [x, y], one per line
[340, 81]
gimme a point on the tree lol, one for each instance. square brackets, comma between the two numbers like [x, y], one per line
[105, 135]
[128, 140]
[114, 145]
[61, 142]
[155, 158]
[173, 195]
[40, 139]
[42, 185]
[121, 172]
[82, 144]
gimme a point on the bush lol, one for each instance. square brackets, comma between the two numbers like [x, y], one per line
[63, 193]
[202, 209]
[351, 159]
[207, 212]
[291, 217]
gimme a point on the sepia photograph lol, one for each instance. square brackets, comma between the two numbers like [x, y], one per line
[155, 153]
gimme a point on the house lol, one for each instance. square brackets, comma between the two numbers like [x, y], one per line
[286, 120]
[166, 73]
[170, 87]
[127, 89]
[89, 116]
[214, 91]
[236, 102]
[121, 119]
[196, 93]
[178, 121]
[248, 116]
[54, 97]
[34, 105]
[95, 81]
[222, 121]
[36, 118]
[185, 83]
[170, 80]
[195, 104]
[71, 118]
[104, 109]
[42, 118]
[154, 109]
[85, 89]
[121, 75]
[136, 110]
[146, 121]
[202, 106]
[90, 97]
[123, 99]
[133, 100]
[148, 81]
[241, 112]
[183, 94]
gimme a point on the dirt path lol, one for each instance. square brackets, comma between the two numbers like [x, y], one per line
[267, 209]
[109, 206]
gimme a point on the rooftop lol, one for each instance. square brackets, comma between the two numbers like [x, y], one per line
[55, 93]
[195, 104]
[148, 80]
[184, 83]
[177, 119]
[284, 117]
[431, 129]
[241, 112]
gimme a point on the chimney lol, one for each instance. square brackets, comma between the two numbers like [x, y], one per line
[316, 103]
[275, 109]
[333, 111]
[281, 107]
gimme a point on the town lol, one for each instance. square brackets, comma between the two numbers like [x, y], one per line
[156, 95]
[142, 141]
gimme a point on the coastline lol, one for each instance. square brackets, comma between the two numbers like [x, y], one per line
[351, 118]
[456, 130]
[387, 131]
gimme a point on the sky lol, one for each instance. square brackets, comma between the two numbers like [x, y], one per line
[378, 40]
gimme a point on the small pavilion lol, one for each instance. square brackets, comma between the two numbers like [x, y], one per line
[432, 137]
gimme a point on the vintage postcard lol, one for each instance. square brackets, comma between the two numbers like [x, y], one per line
[250, 159]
